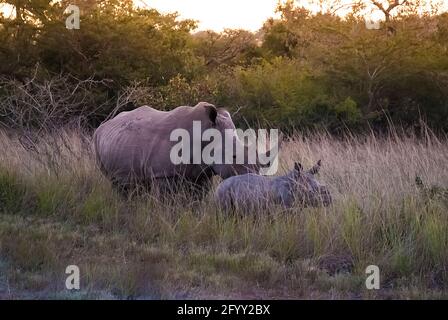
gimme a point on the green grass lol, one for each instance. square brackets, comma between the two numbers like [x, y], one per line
[142, 248]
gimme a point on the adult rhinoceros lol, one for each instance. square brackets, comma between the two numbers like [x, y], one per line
[134, 147]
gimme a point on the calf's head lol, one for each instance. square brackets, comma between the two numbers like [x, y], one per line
[307, 190]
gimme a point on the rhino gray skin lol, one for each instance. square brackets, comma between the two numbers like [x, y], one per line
[134, 147]
[251, 192]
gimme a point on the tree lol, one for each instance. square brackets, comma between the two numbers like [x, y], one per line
[20, 33]
[391, 5]
[230, 47]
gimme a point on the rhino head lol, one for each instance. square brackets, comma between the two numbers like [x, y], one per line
[308, 191]
[247, 161]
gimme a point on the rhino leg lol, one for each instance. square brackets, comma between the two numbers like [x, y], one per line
[130, 188]
[172, 188]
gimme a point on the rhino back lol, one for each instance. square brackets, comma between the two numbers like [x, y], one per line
[247, 192]
[138, 142]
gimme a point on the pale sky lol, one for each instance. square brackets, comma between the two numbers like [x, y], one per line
[239, 14]
[235, 14]
[218, 14]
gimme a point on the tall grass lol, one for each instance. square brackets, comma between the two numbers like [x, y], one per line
[57, 209]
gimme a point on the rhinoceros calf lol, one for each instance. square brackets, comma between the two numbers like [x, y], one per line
[249, 192]
[134, 147]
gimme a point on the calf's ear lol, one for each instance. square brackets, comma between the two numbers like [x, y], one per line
[315, 169]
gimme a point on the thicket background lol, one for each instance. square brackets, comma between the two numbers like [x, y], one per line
[302, 70]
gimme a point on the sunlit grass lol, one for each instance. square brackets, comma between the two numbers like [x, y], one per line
[56, 209]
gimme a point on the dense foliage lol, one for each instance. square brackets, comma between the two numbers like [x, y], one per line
[301, 70]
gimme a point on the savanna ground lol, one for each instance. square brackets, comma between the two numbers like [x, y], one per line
[56, 209]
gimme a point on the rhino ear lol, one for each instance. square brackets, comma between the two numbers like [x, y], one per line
[212, 112]
[315, 169]
[298, 167]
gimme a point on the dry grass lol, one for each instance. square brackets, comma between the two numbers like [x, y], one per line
[56, 209]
